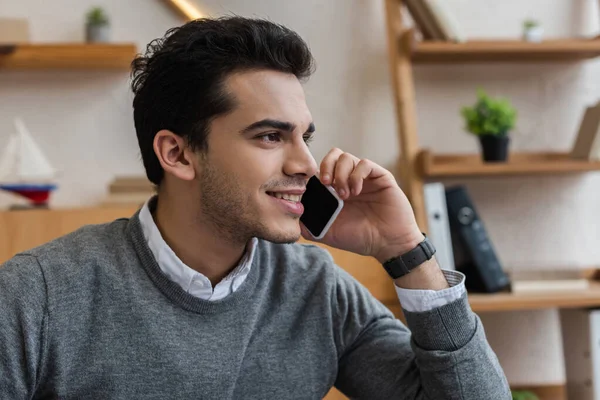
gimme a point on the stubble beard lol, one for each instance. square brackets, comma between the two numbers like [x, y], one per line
[229, 210]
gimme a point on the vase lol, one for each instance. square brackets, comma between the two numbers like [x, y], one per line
[97, 33]
[494, 148]
[535, 34]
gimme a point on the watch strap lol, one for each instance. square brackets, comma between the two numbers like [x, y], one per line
[399, 266]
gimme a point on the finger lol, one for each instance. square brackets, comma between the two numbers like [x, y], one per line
[328, 165]
[363, 169]
[343, 168]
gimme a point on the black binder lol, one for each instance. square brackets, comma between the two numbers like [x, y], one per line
[474, 254]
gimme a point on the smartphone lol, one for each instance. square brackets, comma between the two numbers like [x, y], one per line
[321, 207]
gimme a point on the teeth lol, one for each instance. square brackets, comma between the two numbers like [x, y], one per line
[289, 197]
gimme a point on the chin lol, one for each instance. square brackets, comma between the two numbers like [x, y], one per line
[283, 239]
[283, 234]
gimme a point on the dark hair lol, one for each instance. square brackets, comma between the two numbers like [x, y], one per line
[178, 82]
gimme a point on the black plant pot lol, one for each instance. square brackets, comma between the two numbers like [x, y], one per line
[494, 148]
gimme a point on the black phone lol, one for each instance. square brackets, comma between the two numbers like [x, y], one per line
[321, 206]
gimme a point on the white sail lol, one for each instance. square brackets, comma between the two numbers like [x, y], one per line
[23, 161]
[8, 159]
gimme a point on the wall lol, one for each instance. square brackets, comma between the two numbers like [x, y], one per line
[83, 121]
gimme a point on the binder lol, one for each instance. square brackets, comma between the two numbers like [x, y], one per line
[437, 220]
[474, 254]
[581, 347]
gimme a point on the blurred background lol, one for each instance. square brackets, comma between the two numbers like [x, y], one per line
[65, 108]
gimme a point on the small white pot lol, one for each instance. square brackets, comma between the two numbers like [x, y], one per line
[97, 33]
[535, 34]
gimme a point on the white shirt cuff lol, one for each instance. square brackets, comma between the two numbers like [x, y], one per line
[426, 300]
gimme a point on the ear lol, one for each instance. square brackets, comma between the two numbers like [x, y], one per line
[174, 155]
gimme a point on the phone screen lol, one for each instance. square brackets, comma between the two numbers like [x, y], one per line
[319, 206]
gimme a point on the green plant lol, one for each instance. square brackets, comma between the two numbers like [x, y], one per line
[523, 395]
[97, 16]
[530, 23]
[489, 116]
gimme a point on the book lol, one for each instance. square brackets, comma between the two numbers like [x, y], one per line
[129, 190]
[549, 286]
[420, 19]
[14, 31]
[434, 22]
[437, 221]
[474, 253]
[594, 154]
[125, 199]
[527, 281]
[446, 22]
[587, 142]
[129, 184]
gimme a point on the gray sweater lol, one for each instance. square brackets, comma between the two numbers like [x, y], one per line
[91, 316]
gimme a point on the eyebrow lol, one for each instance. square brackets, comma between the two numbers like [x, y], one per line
[276, 124]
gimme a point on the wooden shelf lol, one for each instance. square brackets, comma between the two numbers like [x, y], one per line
[535, 301]
[66, 56]
[504, 51]
[438, 166]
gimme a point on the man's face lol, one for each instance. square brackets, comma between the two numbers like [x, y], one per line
[257, 164]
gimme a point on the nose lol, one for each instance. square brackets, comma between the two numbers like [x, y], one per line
[299, 161]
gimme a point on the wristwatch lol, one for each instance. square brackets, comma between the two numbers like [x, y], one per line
[399, 266]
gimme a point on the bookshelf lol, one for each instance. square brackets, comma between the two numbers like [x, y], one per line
[514, 51]
[506, 301]
[430, 165]
[67, 56]
[536, 301]
[417, 165]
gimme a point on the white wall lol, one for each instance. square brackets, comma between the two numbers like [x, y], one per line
[84, 123]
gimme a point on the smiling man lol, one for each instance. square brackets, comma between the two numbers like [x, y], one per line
[203, 293]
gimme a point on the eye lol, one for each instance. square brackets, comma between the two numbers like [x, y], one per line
[270, 137]
[308, 138]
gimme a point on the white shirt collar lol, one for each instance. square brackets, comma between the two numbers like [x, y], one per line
[192, 281]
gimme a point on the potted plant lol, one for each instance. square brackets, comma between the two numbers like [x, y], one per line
[532, 31]
[491, 120]
[523, 395]
[97, 28]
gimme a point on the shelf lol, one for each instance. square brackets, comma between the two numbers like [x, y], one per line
[438, 166]
[66, 56]
[535, 301]
[504, 51]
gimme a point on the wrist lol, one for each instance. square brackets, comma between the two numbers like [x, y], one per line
[423, 272]
[428, 276]
[400, 247]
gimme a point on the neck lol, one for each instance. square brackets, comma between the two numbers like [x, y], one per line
[194, 240]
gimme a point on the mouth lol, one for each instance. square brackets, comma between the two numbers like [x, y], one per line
[295, 198]
[289, 202]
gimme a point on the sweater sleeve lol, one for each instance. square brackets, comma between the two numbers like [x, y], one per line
[443, 354]
[23, 319]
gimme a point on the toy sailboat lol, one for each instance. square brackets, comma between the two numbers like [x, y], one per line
[25, 170]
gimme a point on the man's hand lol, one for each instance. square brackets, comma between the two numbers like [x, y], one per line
[377, 219]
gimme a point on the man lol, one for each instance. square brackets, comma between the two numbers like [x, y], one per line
[201, 293]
